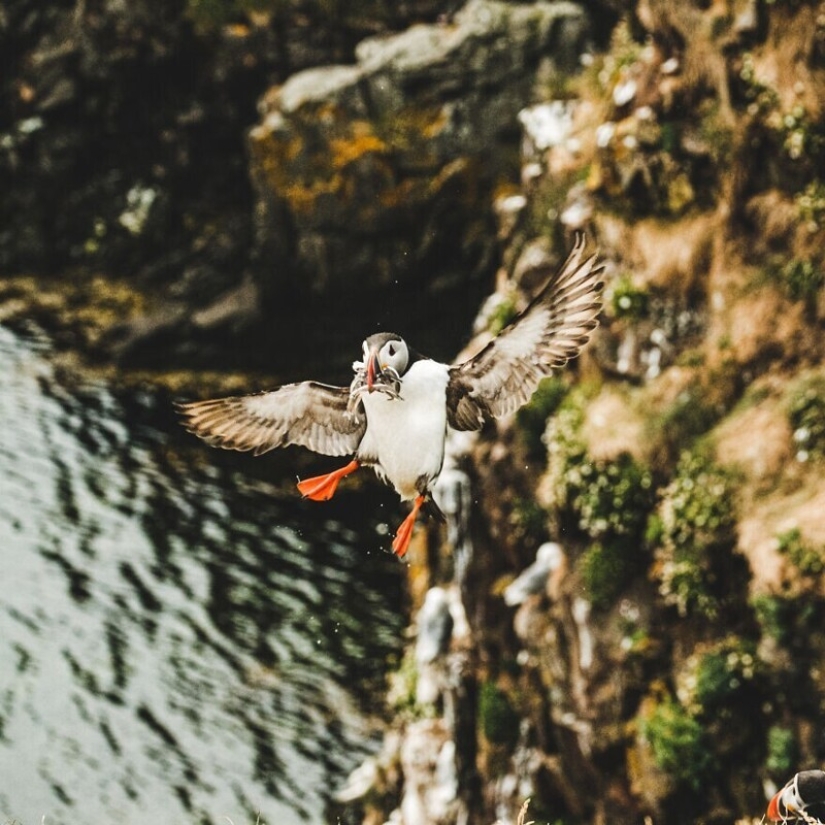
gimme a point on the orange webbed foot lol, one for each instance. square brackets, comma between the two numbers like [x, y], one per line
[401, 542]
[322, 488]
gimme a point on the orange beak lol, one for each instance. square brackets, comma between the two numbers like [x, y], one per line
[773, 809]
[372, 365]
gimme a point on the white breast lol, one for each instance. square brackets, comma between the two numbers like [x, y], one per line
[405, 437]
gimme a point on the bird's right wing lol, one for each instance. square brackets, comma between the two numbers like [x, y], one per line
[553, 329]
[312, 415]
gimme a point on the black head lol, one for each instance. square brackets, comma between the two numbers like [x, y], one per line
[811, 786]
[386, 350]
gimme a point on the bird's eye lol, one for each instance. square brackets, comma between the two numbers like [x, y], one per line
[391, 350]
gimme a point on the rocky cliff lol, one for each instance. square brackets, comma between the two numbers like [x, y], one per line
[123, 151]
[635, 600]
[230, 161]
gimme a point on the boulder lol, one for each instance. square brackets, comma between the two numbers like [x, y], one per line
[383, 171]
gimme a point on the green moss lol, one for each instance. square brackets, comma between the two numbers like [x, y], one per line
[716, 131]
[503, 314]
[696, 528]
[654, 530]
[565, 447]
[529, 519]
[678, 744]
[498, 720]
[774, 616]
[811, 204]
[607, 569]
[691, 414]
[806, 414]
[787, 618]
[532, 418]
[564, 432]
[716, 679]
[402, 692]
[783, 752]
[803, 279]
[808, 560]
[716, 676]
[691, 358]
[610, 498]
[628, 300]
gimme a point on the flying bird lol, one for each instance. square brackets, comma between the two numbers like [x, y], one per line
[394, 415]
[801, 800]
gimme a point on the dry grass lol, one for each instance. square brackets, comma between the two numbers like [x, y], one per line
[521, 815]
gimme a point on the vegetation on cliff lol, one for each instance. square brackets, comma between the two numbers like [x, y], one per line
[672, 669]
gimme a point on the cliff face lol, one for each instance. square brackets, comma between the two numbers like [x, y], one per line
[661, 656]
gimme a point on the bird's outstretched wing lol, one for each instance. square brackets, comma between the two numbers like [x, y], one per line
[310, 414]
[552, 329]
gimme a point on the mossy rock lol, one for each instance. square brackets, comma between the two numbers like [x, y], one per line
[498, 720]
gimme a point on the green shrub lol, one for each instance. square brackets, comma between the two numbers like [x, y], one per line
[788, 618]
[803, 279]
[782, 751]
[690, 415]
[806, 413]
[774, 615]
[503, 313]
[565, 446]
[811, 204]
[607, 568]
[609, 501]
[808, 560]
[528, 519]
[610, 498]
[628, 300]
[498, 720]
[696, 525]
[801, 134]
[532, 418]
[716, 676]
[795, 131]
[678, 743]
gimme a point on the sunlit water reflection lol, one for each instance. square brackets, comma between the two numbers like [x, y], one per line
[179, 642]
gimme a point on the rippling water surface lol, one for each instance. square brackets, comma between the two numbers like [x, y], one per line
[179, 642]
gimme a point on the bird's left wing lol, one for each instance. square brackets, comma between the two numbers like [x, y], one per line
[555, 326]
[309, 414]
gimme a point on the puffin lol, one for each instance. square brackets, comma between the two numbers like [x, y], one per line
[395, 414]
[802, 799]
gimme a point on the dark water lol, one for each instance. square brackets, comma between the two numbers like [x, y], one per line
[179, 641]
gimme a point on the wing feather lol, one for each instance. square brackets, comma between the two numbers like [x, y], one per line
[552, 329]
[310, 414]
